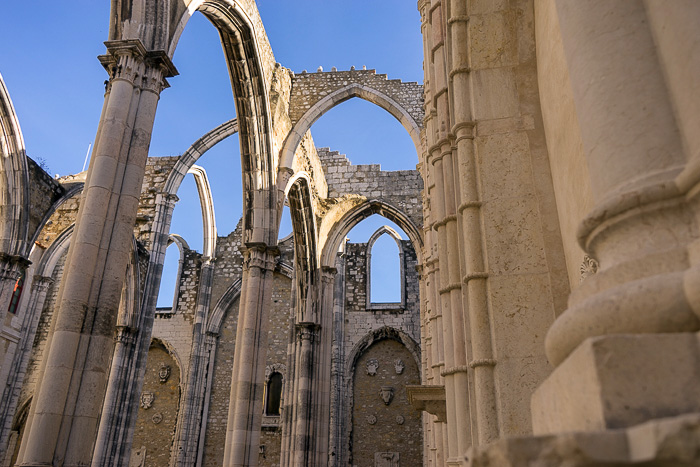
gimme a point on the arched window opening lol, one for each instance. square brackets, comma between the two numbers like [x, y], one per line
[273, 395]
[285, 223]
[385, 271]
[170, 279]
[370, 135]
[380, 241]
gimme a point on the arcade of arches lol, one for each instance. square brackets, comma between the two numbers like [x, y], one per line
[550, 270]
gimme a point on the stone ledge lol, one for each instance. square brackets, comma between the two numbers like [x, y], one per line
[430, 399]
[662, 442]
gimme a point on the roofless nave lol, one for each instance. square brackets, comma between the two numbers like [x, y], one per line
[549, 306]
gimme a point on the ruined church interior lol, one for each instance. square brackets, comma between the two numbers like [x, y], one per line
[545, 253]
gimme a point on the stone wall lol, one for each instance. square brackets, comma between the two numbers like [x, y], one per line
[399, 188]
[309, 88]
[360, 321]
[155, 424]
[44, 191]
[378, 426]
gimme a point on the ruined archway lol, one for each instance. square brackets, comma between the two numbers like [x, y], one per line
[401, 100]
[335, 232]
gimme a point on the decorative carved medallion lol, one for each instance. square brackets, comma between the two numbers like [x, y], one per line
[372, 365]
[588, 267]
[400, 420]
[386, 459]
[164, 373]
[399, 366]
[387, 394]
[147, 399]
[157, 418]
[371, 419]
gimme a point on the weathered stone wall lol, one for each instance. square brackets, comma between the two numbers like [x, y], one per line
[157, 171]
[309, 88]
[155, 424]
[278, 336]
[378, 427]
[399, 188]
[43, 192]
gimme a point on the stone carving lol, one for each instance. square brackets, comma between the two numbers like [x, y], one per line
[399, 366]
[588, 267]
[147, 399]
[157, 418]
[371, 419]
[387, 394]
[164, 373]
[372, 365]
[400, 420]
[386, 459]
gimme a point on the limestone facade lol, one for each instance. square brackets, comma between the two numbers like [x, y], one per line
[551, 270]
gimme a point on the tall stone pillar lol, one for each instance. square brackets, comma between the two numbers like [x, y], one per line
[63, 420]
[308, 335]
[612, 343]
[247, 380]
[337, 440]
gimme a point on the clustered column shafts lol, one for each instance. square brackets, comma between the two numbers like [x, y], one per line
[248, 376]
[63, 419]
[436, 361]
[469, 214]
[116, 431]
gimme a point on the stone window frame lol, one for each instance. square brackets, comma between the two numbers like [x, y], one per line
[273, 421]
[182, 247]
[379, 306]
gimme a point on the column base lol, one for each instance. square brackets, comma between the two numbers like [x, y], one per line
[662, 442]
[618, 381]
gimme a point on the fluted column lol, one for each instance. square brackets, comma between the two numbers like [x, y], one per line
[640, 229]
[67, 404]
[247, 380]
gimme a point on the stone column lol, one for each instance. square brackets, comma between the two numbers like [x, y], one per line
[470, 221]
[190, 416]
[247, 381]
[10, 395]
[337, 441]
[608, 345]
[119, 411]
[322, 392]
[303, 443]
[68, 400]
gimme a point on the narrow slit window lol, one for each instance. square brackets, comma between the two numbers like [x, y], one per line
[273, 397]
[385, 274]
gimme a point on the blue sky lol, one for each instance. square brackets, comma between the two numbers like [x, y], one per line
[48, 61]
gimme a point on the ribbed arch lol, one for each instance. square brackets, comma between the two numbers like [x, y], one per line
[338, 97]
[14, 180]
[339, 229]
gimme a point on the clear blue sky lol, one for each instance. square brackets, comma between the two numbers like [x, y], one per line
[48, 61]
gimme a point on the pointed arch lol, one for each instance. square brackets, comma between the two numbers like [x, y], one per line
[339, 229]
[305, 245]
[14, 181]
[401, 304]
[337, 97]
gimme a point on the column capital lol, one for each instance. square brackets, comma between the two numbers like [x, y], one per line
[130, 61]
[260, 255]
[307, 331]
